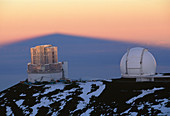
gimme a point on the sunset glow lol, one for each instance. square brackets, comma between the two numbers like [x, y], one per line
[141, 21]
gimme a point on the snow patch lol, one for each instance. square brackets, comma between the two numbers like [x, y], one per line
[60, 96]
[87, 113]
[125, 112]
[141, 107]
[23, 94]
[133, 114]
[63, 94]
[2, 94]
[115, 110]
[108, 80]
[24, 109]
[54, 87]
[9, 111]
[51, 88]
[87, 88]
[144, 92]
[43, 102]
[36, 94]
[63, 103]
[2, 105]
[19, 102]
[162, 108]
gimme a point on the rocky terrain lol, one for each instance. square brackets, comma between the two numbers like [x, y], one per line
[107, 97]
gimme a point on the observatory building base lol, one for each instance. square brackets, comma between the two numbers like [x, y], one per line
[141, 78]
[44, 77]
[153, 78]
[144, 79]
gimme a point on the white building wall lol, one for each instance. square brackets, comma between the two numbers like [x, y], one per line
[44, 77]
[65, 68]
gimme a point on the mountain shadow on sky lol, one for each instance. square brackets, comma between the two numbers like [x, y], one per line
[89, 58]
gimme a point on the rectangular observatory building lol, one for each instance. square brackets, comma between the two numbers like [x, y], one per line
[44, 65]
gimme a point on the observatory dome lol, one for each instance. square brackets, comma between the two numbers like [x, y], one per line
[137, 62]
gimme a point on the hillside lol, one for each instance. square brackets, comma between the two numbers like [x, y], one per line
[106, 97]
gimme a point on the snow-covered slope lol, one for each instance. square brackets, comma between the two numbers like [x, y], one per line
[87, 98]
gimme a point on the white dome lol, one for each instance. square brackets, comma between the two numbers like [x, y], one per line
[137, 62]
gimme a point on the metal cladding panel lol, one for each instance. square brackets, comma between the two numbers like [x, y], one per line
[134, 71]
[134, 58]
[134, 63]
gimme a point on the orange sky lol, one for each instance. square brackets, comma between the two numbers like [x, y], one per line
[142, 21]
